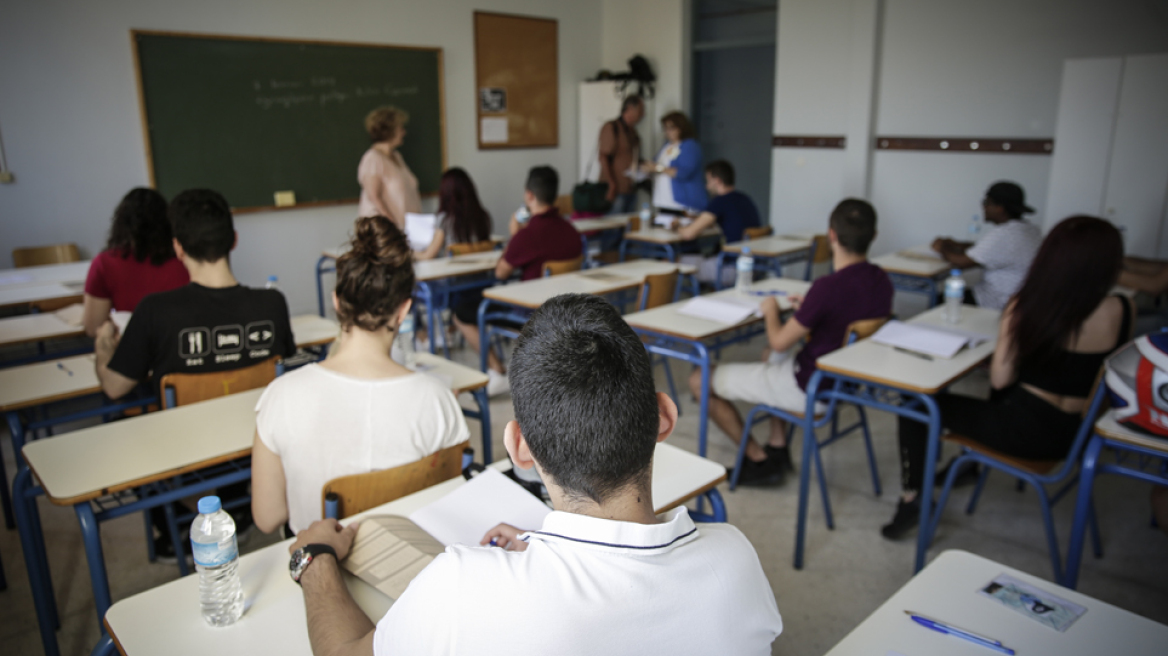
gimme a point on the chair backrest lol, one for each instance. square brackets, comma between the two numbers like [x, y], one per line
[822, 249]
[360, 492]
[476, 247]
[183, 389]
[634, 223]
[657, 290]
[556, 267]
[38, 255]
[758, 233]
[863, 329]
[564, 204]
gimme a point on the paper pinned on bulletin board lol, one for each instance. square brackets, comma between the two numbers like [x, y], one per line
[494, 129]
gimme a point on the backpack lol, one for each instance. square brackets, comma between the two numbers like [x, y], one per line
[1137, 379]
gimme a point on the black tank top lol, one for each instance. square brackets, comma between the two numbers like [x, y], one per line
[1072, 374]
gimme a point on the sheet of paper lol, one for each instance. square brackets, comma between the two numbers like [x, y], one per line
[120, 318]
[920, 339]
[389, 552]
[921, 252]
[465, 515]
[14, 278]
[1039, 605]
[975, 338]
[493, 129]
[725, 310]
[72, 314]
[420, 230]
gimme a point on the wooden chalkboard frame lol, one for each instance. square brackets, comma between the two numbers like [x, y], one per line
[234, 37]
[553, 65]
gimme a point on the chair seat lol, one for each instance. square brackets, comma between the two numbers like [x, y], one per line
[1037, 467]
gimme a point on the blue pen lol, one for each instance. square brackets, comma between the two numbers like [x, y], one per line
[766, 292]
[62, 367]
[941, 627]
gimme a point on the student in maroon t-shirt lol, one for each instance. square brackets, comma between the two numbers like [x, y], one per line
[545, 236]
[138, 259]
[856, 290]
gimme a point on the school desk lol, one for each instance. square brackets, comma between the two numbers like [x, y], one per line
[274, 619]
[915, 272]
[659, 242]
[1138, 455]
[881, 377]
[948, 590]
[770, 254]
[68, 272]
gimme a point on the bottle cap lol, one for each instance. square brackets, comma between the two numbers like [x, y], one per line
[272, 278]
[955, 272]
[746, 250]
[209, 505]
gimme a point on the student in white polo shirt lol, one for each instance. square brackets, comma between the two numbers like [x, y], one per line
[603, 575]
[1004, 252]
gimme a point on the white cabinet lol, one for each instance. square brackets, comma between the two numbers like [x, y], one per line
[1111, 148]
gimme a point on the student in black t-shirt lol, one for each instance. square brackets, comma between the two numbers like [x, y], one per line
[212, 324]
[731, 209]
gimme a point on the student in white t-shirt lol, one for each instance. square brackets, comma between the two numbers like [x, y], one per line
[1004, 252]
[604, 574]
[358, 411]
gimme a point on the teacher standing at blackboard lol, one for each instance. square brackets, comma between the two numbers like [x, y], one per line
[388, 187]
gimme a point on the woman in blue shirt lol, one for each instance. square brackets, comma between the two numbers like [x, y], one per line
[679, 184]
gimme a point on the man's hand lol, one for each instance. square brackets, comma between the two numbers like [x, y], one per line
[330, 532]
[795, 300]
[505, 536]
[106, 342]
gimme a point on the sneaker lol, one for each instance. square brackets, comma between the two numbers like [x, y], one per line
[497, 383]
[966, 477]
[905, 521]
[767, 472]
[781, 455]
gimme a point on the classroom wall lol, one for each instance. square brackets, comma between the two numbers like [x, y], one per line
[941, 68]
[71, 128]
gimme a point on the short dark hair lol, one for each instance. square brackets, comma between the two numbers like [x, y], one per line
[680, 121]
[854, 222]
[722, 170]
[202, 224]
[584, 397]
[544, 183]
[631, 100]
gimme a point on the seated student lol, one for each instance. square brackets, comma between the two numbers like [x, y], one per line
[138, 259]
[461, 217]
[1053, 337]
[856, 290]
[543, 237]
[1005, 250]
[731, 209]
[212, 324]
[358, 411]
[604, 574]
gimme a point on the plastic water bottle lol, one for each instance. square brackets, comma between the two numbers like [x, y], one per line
[745, 268]
[975, 227]
[405, 342]
[522, 214]
[646, 216]
[954, 296]
[272, 283]
[216, 559]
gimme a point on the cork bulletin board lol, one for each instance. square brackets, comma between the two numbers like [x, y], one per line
[516, 81]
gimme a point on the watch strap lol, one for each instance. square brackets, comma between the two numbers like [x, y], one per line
[312, 550]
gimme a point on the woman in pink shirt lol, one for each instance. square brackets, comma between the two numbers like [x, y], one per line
[138, 259]
[388, 187]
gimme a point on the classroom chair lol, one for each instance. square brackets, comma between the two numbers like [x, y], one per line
[564, 205]
[184, 389]
[1038, 473]
[658, 290]
[821, 254]
[348, 495]
[857, 330]
[476, 247]
[556, 267]
[40, 255]
[757, 233]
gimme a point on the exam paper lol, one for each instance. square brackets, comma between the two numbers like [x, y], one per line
[420, 230]
[465, 515]
[725, 309]
[121, 319]
[920, 339]
[919, 252]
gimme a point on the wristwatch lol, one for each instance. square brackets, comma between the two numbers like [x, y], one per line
[303, 556]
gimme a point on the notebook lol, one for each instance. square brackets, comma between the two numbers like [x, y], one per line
[933, 341]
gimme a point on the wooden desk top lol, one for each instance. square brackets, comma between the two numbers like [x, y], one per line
[44, 382]
[607, 222]
[667, 320]
[947, 590]
[533, 293]
[69, 272]
[462, 378]
[664, 236]
[459, 265]
[314, 330]
[1111, 429]
[53, 291]
[274, 619]
[642, 268]
[770, 246]
[36, 327]
[908, 263]
[879, 363]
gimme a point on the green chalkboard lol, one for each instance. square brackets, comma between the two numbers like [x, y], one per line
[250, 117]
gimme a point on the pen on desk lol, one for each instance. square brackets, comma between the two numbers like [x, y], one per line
[494, 543]
[913, 353]
[767, 292]
[62, 367]
[948, 629]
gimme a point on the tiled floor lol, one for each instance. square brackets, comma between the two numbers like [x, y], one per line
[848, 572]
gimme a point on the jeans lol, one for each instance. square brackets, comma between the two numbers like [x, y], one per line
[624, 203]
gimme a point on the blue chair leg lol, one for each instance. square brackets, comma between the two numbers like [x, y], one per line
[1093, 524]
[981, 480]
[1051, 537]
[810, 445]
[871, 453]
[150, 555]
[823, 489]
[943, 498]
[180, 552]
[105, 647]
[747, 426]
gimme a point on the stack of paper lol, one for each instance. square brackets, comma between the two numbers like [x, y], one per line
[723, 309]
[465, 515]
[930, 340]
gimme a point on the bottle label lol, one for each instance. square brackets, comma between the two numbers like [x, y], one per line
[214, 554]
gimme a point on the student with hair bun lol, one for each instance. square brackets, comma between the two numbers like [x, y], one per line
[358, 411]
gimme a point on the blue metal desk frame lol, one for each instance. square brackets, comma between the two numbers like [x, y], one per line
[918, 285]
[1089, 469]
[770, 263]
